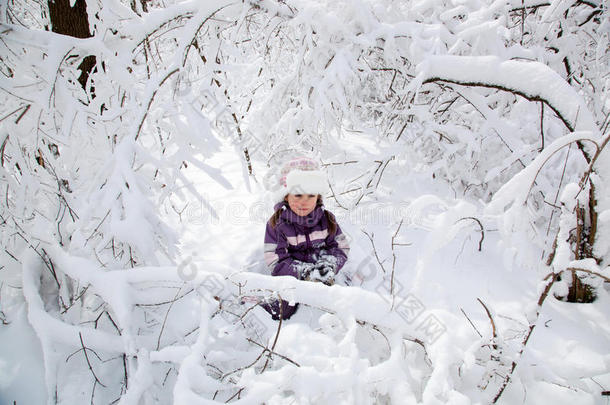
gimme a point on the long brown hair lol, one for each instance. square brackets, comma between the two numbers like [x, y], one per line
[330, 218]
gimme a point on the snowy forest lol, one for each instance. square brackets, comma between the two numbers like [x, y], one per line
[465, 143]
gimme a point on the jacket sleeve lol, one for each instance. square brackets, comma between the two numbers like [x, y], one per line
[277, 258]
[338, 246]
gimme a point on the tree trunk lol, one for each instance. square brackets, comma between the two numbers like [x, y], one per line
[73, 21]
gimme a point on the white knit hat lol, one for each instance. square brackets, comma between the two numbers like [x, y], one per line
[301, 176]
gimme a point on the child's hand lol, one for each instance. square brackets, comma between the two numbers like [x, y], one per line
[303, 269]
[325, 260]
[323, 273]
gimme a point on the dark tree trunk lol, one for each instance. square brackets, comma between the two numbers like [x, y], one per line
[73, 21]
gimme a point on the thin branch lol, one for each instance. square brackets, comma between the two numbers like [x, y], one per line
[277, 334]
[589, 272]
[166, 315]
[152, 98]
[194, 40]
[481, 229]
[491, 319]
[97, 380]
[222, 377]
[266, 349]
[234, 395]
[394, 260]
[374, 249]
[541, 127]
[472, 324]
[156, 304]
[75, 300]
[27, 107]
[530, 97]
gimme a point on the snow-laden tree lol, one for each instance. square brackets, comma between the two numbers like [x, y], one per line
[497, 111]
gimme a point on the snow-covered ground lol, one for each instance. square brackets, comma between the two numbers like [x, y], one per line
[430, 339]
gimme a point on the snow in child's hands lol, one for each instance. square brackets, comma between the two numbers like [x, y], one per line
[303, 269]
[327, 261]
[324, 269]
[322, 274]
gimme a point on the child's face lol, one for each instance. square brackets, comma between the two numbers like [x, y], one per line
[302, 204]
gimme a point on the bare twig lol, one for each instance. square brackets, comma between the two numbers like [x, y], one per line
[156, 304]
[97, 380]
[75, 300]
[335, 196]
[194, 40]
[152, 98]
[234, 395]
[266, 349]
[491, 319]
[472, 324]
[26, 107]
[166, 315]
[244, 367]
[480, 227]
[541, 127]
[277, 334]
[394, 260]
[374, 249]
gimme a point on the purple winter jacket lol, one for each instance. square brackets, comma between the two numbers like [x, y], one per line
[296, 240]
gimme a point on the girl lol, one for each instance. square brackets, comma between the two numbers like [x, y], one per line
[302, 239]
